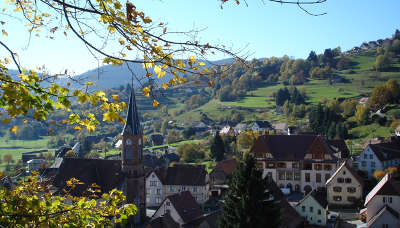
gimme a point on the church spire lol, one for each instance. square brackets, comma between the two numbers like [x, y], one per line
[132, 124]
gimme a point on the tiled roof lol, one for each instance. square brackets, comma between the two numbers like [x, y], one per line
[386, 151]
[288, 147]
[164, 221]
[290, 217]
[263, 124]
[346, 165]
[228, 166]
[105, 173]
[186, 206]
[182, 174]
[381, 212]
[385, 187]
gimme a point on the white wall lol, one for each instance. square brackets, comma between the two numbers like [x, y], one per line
[167, 205]
[377, 203]
[154, 197]
[312, 217]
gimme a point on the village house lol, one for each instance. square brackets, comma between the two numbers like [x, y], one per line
[345, 187]
[227, 131]
[163, 182]
[383, 204]
[220, 174]
[261, 126]
[240, 128]
[314, 208]
[156, 139]
[379, 157]
[298, 162]
[181, 207]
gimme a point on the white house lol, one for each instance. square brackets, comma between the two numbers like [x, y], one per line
[182, 208]
[163, 182]
[345, 186]
[379, 157]
[383, 204]
[313, 207]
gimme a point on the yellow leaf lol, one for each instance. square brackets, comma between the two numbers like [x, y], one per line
[14, 129]
[201, 63]
[115, 97]
[146, 91]
[192, 59]
[164, 85]
[121, 41]
[25, 121]
[100, 93]
[210, 83]
[4, 32]
[147, 20]
[77, 127]
[89, 83]
[155, 103]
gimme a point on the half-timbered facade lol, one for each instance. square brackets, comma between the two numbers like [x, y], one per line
[299, 162]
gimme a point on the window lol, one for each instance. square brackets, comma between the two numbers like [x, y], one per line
[303, 209]
[337, 198]
[147, 200]
[348, 180]
[385, 225]
[307, 166]
[365, 156]
[158, 191]
[311, 209]
[295, 165]
[373, 164]
[281, 165]
[158, 200]
[171, 189]
[318, 178]
[363, 163]
[183, 188]
[168, 203]
[384, 199]
[337, 189]
[148, 191]
[289, 176]
[319, 220]
[371, 156]
[351, 189]
[318, 167]
[319, 211]
[327, 176]
[194, 189]
[307, 177]
[351, 199]
[390, 199]
[271, 165]
[340, 180]
[281, 175]
[344, 172]
[327, 167]
[153, 183]
[296, 176]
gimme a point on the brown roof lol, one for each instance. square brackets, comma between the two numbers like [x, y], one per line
[164, 221]
[386, 186]
[183, 174]
[228, 166]
[350, 169]
[186, 206]
[290, 217]
[289, 147]
[386, 151]
[105, 173]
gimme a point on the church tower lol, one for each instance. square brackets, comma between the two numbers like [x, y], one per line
[132, 166]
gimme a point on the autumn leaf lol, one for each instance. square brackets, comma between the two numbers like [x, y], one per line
[146, 91]
[14, 129]
[155, 103]
[210, 83]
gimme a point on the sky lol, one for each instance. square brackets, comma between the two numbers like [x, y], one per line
[262, 28]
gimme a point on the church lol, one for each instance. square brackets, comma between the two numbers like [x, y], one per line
[127, 174]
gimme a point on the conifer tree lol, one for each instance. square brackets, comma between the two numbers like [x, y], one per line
[248, 201]
[217, 148]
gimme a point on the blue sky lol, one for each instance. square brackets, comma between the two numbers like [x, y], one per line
[265, 30]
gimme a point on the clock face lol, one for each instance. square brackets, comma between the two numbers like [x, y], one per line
[128, 142]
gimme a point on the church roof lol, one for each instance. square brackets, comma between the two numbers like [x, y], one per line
[132, 124]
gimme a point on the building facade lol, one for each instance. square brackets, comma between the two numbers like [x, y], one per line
[163, 182]
[313, 207]
[299, 162]
[345, 187]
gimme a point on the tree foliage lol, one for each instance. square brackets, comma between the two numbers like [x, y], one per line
[217, 148]
[248, 201]
[191, 152]
[33, 203]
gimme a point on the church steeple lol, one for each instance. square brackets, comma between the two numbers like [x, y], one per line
[132, 125]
